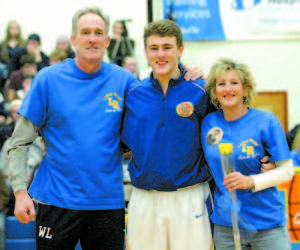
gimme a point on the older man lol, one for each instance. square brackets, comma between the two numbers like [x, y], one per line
[77, 107]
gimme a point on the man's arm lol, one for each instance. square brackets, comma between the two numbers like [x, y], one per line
[4, 158]
[24, 134]
[4, 196]
[35, 157]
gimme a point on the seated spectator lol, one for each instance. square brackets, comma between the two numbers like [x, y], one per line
[63, 44]
[130, 64]
[291, 134]
[3, 116]
[4, 197]
[120, 44]
[26, 83]
[57, 56]
[3, 111]
[12, 41]
[28, 68]
[296, 150]
[7, 129]
[33, 45]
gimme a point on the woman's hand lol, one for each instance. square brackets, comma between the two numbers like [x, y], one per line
[236, 180]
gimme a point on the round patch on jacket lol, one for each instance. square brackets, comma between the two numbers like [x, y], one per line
[185, 109]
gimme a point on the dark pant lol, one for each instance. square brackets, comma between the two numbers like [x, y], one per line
[61, 229]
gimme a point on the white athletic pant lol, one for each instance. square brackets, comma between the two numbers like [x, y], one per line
[175, 220]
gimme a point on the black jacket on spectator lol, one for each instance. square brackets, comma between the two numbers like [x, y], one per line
[290, 135]
[11, 52]
[15, 60]
[71, 54]
[6, 131]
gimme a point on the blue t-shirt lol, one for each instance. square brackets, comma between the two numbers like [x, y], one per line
[296, 158]
[79, 116]
[254, 135]
[163, 132]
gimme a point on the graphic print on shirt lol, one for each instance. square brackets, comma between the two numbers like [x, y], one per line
[214, 136]
[185, 109]
[112, 100]
[247, 149]
[44, 232]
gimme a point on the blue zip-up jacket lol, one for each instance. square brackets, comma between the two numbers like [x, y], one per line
[163, 132]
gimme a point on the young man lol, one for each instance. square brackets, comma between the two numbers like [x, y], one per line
[77, 107]
[171, 196]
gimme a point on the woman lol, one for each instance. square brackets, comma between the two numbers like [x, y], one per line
[11, 42]
[253, 134]
[63, 44]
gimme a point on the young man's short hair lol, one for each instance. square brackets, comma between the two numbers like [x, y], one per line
[163, 28]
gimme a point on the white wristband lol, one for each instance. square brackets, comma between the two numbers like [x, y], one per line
[283, 172]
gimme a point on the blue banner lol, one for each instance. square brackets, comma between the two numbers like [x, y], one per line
[235, 19]
[198, 19]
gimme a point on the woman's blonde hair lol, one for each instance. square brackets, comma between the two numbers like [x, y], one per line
[226, 64]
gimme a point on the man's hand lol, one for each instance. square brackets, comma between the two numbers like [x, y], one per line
[266, 165]
[24, 208]
[193, 73]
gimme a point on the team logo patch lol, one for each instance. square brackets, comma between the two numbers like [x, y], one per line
[185, 109]
[113, 100]
[248, 149]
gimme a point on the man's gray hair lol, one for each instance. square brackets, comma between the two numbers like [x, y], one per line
[94, 10]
